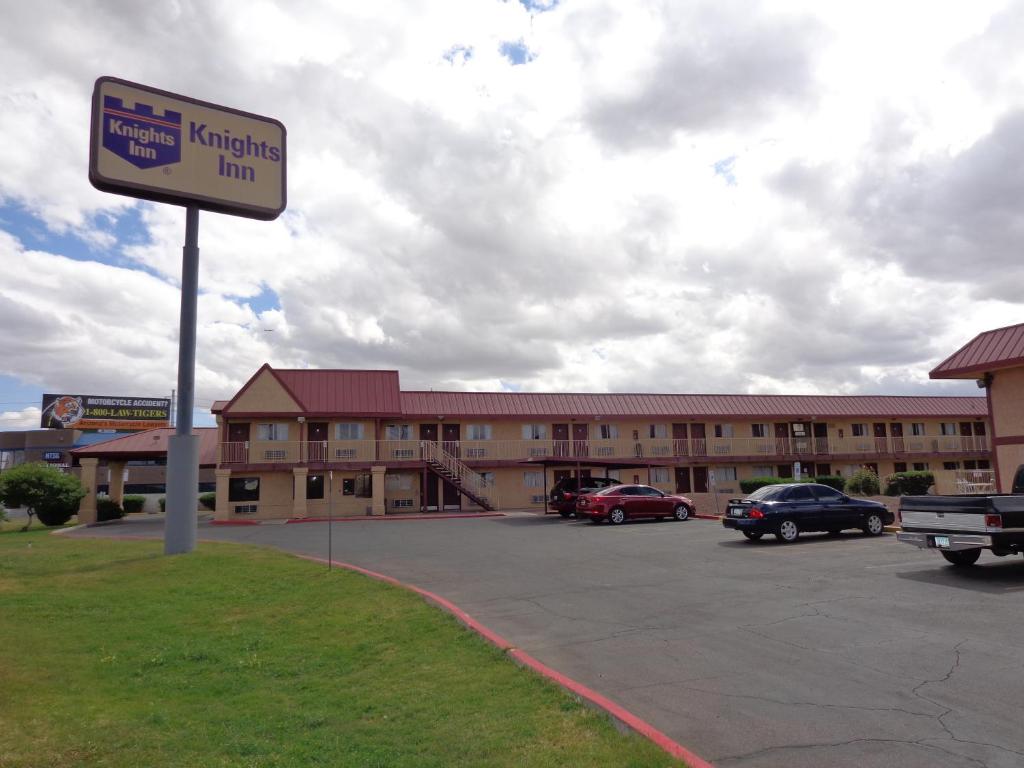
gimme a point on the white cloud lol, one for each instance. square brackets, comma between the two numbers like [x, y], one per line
[554, 225]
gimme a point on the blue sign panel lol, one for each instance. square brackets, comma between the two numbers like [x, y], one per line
[140, 136]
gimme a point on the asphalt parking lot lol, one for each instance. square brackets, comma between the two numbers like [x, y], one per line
[853, 651]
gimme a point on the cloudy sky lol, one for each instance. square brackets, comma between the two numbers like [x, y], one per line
[585, 195]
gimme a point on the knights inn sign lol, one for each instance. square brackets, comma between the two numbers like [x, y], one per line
[161, 146]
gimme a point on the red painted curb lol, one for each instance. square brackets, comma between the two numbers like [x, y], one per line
[701, 516]
[391, 519]
[624, 716]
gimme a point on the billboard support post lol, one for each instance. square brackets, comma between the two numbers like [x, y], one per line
[183, 449]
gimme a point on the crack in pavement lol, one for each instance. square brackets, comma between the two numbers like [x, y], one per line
[766, 750]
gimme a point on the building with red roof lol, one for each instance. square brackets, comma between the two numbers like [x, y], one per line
[308, 442]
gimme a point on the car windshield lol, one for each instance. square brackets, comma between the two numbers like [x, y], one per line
[767, 493]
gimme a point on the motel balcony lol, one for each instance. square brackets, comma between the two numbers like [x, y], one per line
[658, 451]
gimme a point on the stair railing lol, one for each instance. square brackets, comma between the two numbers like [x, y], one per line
[433, 453]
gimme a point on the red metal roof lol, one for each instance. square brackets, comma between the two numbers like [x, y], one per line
[151, 443]
[358, 393]
[527, 404]
[1000, 348]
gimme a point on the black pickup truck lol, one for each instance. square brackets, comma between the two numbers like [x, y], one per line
[959, 527]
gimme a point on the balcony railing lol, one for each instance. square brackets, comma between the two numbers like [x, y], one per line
[767, 448]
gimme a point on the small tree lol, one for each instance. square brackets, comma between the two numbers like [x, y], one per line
[863, 482]
[43, 491]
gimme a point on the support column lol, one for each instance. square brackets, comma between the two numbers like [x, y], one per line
[222, 509]
[299, 475]
[116, 489]
[87, 506]
[379, 504]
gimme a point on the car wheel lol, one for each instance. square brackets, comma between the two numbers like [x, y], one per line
[681, 512]
[873, 525]
[753, 535]
[789, 531]
[963, 557]
[617, 516]
[565, 514]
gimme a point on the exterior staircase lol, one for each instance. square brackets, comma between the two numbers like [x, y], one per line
[469, 483]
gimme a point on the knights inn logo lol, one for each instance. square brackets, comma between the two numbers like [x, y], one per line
[140, 137]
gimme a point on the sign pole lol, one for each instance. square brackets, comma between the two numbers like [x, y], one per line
[183, 447]
[330, 517]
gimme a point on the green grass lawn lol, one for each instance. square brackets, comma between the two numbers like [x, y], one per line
[113, 655]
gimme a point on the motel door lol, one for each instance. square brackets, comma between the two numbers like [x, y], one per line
[680, 446]
[881, 443]
[237, 449]
[428, 433]
[580, 436]
[683, 480]
[560, 434]
[451, 434]
[782, 439]
[820, 438]
[316, 441]
[896, 433]
[700, 479]
[698, 435]
[452, 497]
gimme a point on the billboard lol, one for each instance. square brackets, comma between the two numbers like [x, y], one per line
[170, 148]
[123, 414]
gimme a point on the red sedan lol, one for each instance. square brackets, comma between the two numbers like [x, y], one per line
[623, 502]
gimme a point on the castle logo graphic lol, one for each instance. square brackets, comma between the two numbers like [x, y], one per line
[137, 135]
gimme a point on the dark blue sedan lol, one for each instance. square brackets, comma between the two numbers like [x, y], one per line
[793, 508]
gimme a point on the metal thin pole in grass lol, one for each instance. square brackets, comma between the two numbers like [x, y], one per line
[330, 517]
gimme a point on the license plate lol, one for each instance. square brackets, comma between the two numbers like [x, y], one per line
[942, 541]
[736, 512]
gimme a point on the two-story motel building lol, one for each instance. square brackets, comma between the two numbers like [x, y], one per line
[308, 443]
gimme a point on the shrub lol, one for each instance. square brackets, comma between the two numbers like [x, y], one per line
[752, 484]
[832, 481]
[44, 491]
[909, 483]
[108, 509]
[863, 482]
[208, 500]
[163, 503]
[3, 513]
[133, 504]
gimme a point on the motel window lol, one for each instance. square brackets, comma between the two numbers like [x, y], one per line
[723, 430]
[762, 470]
[759, 430]
[398, 432]
[271, 431]
[659, 474]
[535, 431]
[488, 479]
[859, 430]
[533, 479]
[314, 486]
[726, 474]
[917, 429]
[613, 474]
[244, 489]
[947, 428]
[398, 482]
[983, 464]
[348, 431]
[920, 466]
[609, 431]
[950, 465]
[899, 466]
[478, 432]
[658, 430]
[364, 486]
